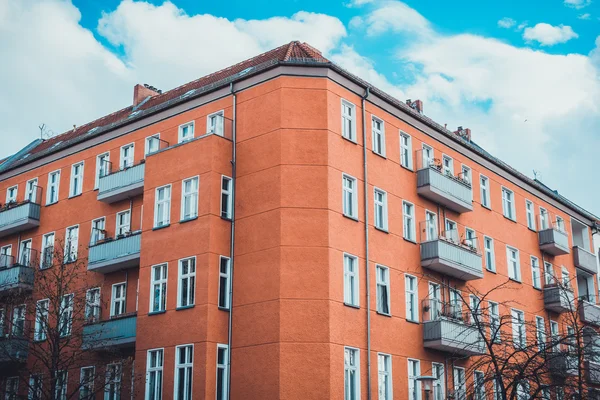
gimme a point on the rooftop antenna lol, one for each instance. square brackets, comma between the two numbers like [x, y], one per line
[42, 128]
[537, 175]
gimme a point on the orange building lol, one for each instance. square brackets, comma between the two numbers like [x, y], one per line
[292, 172]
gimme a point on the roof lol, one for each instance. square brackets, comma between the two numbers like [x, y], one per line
[293, 53]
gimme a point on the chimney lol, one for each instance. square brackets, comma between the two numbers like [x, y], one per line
[141, 92]
[463, 133]
[416, 105]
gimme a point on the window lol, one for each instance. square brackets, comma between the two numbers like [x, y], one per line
[451, 231]
[448, 165]
[53, 186]
[434, 301]
[187, 282]
[460, 384]
[566, 280]
[12, 388]
[226, 192]
[35, 387]
[222, 361]
[159, 288]
[508, 204]
[430, 226]
[66, 315]
[540, 333]
[554, 336]
[98, 233]
[560, 224]
[112, 389]
[381, 210]
[76, 187]
[523, 390]
[127, 156]
[348, 121]
[41, 319]
[428, 156]
[378, 136]
[11, 194]
[544, 219]
[383, 289]
[384, 366]
[351, 280]
[571, 340]
[186, 132]
[86, 385]
[152, 144]
[5, 256]
[31, 188]
[102, 167]
[548, 273]
[406, 150]
[118, 299]
[412, 313]
[351, 374]
[536, 277]
[123, 222]
[437, 371]
[60, 388]
[466, 174]
[184, 364]
[494, 321]
[408, 210]
[47, 250]
[475, 306]
[25, 253]
[350, 196]
[529, 210]
[414, 386]
[71, 244]
[18, 321]
[512, 261]
[224, 264]
[478, 386]
[214, 123]
[484, 191]
[2, 322]
[490, 258]
[471, 238]
[92, 305]
[162, 206]
[154, 374]
[518, 328]
[189, 198]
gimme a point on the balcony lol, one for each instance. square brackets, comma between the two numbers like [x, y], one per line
[14, 276]
[558, 298]
[450, 255]
[109, 255]
[14, 350]
[19, 217]
[592, 372]
[562, 364]
[120, 184]
[117, 332]
[446, 328]
[585, 260]
[444, 188]
[589, 312]
[552, 236]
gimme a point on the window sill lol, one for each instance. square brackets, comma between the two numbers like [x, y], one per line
[181, 308]
[226, 309]
[379, 154]
[515, 280]
[412, 322]
[352, 306]
[226, 218]
[532, 230]
[349, 139]
[156, 228]
[183, 221]
[382, 230]
[409, 240]
[51, 204]
[487, 207]
[493, 271]
[75, 195]
[407, 168]
[510, 219]
[539, 289]
[350, 217]
[157, 312]
[384, 314]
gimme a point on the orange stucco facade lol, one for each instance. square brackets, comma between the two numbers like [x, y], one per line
[289, 321]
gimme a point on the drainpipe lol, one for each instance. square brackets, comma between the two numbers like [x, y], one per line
[368, 280]
[232, 240]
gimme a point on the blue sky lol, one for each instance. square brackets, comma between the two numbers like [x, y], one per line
[523, 75]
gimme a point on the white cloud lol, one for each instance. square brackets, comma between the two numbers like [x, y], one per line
[548, 35]
[578, 4]
[585, 16]
[396, 17]
[522, 25]
[506, 23]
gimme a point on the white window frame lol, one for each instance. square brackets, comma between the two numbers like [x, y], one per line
[350, 211]
[129, 160]
[351, 118]
[467, 174]
[192, 195]
[188, 377]
[224, 282]
[384, 369]
[118, 301]
[31, 190]
[378, 149]
[406, 159]
[86, 384]
[383, 206]
[530, 213]
[71, 244]
[180, 137]
[560, 224]
[223, 367]
[431, 226]
[18, 320]
[114, 376]
[514, 275]
[408, 221]
[47, 246]
[460, 385]
[35, 387]
[157, 370]
[76, 182]
[412, 297]
[219, 129]
[519, 330]
[53, 187]
[555, 336]
[147, 144]
[383, 287]
[439, 385]
[41, 320]
[351, 281]
[413, 383]
[62, 382]
[478, 385]
[161, 282]
[122, 228]
[97, 232]
[544, 219]
[190, 278]
[491, 252]
[540, 332]
[101, 168]
[228, 195]
[352, 366]
[425, 148]
[162, 219]
[450, 168]
[66, 314]
[12, 194]
[535, 268]
[508, 205]
[494, 317]
[92, 305]
[484, 191]
[549, 274]
[11, 388]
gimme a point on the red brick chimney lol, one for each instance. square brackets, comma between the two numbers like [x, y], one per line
[416, 105]
[464, 133]
[141, 92]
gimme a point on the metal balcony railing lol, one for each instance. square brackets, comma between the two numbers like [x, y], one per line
[14, 275]
[553, 238]
[21, 216]
[121, 184]
[585, 260]
[116, 332]
[589, 311]
[114, 254]
[558, 298]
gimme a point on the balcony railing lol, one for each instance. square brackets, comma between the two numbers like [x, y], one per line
[589, 311]
[121, 184]
[14, 343]
[562, 364]
[558, 298]
[592, 372]
[446, 328]
[116, 332]
[585, 260]
[19, 217]
[109, 255]
[14, 275]
[553, 238]
[451, 253]
[443, 187]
